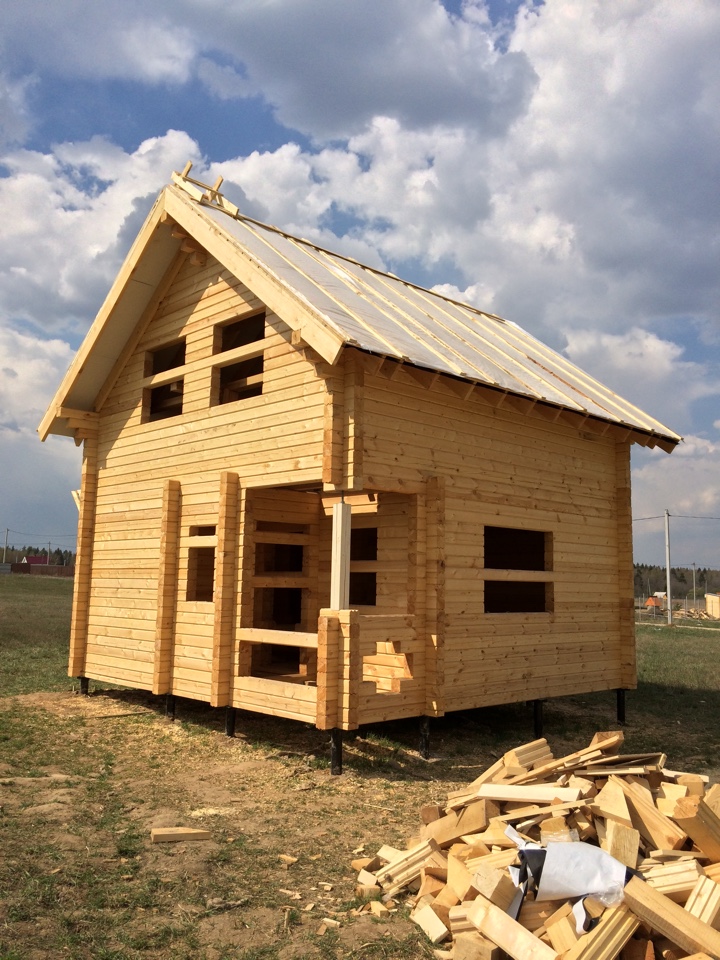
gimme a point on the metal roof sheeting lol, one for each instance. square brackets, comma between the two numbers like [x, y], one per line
[384, 315]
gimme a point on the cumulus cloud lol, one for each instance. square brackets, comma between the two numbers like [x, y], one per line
[68, 219]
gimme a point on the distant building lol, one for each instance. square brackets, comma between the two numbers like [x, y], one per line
[712, 605]
[34, 560]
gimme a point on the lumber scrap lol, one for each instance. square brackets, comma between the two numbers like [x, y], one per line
[653, 826]
[704, 901]
[699, 821]
[668, 918]
[176, 834]
[507, 933]
[615, 928]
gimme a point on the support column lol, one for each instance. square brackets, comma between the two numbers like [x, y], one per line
[170, 706]
[425, 738]
[84, 686]
[167, 588]
[83, 563]
[336, 745]
[620, 706]
[538, 718]
[230, 715]
[340, 560]
[225, 590]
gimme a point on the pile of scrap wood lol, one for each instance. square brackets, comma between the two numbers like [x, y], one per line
[459, 875]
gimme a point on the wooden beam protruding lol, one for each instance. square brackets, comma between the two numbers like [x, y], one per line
[225, 588]
[167, 588]
[83, 562]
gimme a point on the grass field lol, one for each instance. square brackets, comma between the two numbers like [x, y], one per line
[83, 779]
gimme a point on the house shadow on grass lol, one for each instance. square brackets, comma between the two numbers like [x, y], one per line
[677, 721]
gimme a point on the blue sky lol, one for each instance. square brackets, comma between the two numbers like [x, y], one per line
[556, 163]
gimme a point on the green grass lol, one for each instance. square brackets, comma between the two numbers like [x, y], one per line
[34, 633]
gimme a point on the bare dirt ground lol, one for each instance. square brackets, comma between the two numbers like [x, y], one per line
[83, 780]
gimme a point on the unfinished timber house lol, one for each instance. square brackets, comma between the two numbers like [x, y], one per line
[315, 491]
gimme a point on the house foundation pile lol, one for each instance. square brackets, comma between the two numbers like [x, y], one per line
[592, 856]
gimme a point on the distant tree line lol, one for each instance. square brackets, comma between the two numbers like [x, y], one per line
[650, 579]
[62, 558]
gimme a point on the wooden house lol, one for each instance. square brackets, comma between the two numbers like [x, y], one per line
[313, 490]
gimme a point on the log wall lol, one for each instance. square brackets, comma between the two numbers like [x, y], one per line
[498, 467]
[272, 439]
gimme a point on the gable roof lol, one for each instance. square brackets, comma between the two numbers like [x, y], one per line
[333, 301]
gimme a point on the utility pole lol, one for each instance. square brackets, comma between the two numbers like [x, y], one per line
[694, 594]
[667, 568]
[48, 554]
[5, 547]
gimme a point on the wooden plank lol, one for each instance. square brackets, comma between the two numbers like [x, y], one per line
[662, 915]
[285, 638]
[83, 560]
[507, 933]
[657, 829]
[700, 822]
[606, 940]
[178, 834]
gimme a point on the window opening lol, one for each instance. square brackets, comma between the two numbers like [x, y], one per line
[164, 401]
[517, 596]
[239, 333]
[363, 543]
[238, 381]
[278, 608]
[165, 358]
[208, 531]
[201, 574]
[363, 589]
[507, 548]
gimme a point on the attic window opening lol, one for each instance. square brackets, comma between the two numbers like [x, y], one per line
[160, 403]
[239, 333]
[165, 358]
[239, 381]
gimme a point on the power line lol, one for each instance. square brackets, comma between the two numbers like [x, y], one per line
[44, 536]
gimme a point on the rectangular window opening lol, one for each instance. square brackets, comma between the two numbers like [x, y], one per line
[507, 548]
[363, 589]
[364, 543]
[513, 596]
[161, 403]
[208, 531]
[201, 574]
[239, 333]
[165, 358]
[275, 660]
[239, 381]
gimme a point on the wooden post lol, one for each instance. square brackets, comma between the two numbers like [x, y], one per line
[626, 592]
[224, 594]
[333, 431]
[425, 738]
[620, 706]
[328, 670]
[340, 561]
[83, 563]
[246, 594]
[167, 588]
[336, 757]
[350, 670]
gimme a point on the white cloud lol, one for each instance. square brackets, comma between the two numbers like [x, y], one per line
[687, 485]
[68, 219]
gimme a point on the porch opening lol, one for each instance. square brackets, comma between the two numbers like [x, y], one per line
[278, 608]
